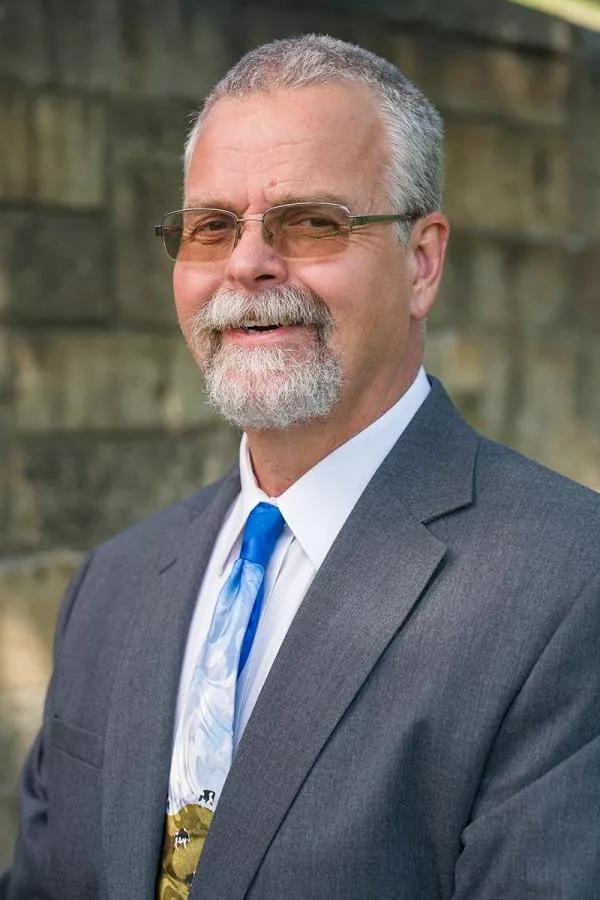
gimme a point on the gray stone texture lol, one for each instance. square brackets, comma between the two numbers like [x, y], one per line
[30, 589]
[54, 147]
[55, 267]
[514, 86]
[74, 493]
[103, 419]
[507, 177]
[105, 381]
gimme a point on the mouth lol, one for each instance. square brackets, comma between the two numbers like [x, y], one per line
[254, 334]
[255, 328]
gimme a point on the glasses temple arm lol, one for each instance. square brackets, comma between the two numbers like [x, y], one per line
[364, 220]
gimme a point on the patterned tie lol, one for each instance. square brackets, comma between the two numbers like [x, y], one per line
[203, 748]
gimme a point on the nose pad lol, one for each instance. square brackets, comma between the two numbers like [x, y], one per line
[267, 235]
[255, 260]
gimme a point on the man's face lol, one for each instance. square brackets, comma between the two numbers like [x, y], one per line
[316, 143]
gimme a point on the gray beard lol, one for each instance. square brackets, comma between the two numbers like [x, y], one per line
[267, 387]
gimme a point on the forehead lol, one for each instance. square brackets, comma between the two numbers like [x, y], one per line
[309, 142]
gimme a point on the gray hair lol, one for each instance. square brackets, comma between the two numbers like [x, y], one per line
[414, 126]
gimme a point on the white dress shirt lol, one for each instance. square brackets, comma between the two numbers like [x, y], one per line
[315, 508]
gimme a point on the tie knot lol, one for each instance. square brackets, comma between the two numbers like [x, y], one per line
[263, 528]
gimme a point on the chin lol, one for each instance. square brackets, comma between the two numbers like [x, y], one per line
[274, 399]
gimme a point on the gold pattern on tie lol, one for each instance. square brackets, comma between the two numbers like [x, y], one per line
[185, 834]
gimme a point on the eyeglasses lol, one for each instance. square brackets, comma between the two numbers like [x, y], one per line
[307, 230]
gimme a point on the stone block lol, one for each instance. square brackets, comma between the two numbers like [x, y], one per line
[54, 267]
[20, 528]
[143, 130]
[76, 492]
[6, 363]
[9, 817]
[143, 192]
[501, 22]
[106, 381]
[138, 47]
[184, 403]
[147, 140]
[457, 359]
[31, 589]
[589, 383]
[585, 131]
[522, 390]
[56, 152]
[503, 283]
[6, 413]
[24, 48]
[474, 286]
[545, 400]
[585, 289]
[175, 49]
[475, 369]
[254, 26]
[482, 80]
[21, 711]
[6, 423]
[507, 178]
[543, 280]
[69, 135]
[17, 169]
[88, 52]
[116, 46]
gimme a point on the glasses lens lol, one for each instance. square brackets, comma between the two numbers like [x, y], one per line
[199, 235]
[308, 230]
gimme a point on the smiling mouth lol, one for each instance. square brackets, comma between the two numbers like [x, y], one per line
[250, 329]
[253, 327]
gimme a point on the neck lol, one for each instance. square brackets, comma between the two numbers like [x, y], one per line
[282, 456]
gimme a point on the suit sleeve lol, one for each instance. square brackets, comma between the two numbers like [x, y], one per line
[535, 825]
[29, 875]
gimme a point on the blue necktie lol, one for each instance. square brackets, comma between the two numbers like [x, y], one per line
[263, 528]
[203, 748]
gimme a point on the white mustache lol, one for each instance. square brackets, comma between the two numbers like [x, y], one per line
[286, 305]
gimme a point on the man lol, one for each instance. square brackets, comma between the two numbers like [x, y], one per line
[365, 665]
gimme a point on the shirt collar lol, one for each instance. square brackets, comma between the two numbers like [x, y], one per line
[316, 506]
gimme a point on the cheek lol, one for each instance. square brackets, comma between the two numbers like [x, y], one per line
[192, 288]
[370, 308]
[341, 287]
[366, 301]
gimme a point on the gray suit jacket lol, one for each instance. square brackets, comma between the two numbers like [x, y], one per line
[429, 728]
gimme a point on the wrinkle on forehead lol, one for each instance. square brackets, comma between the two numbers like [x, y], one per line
[291, 141]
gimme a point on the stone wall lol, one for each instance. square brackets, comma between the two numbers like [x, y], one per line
[102, 419]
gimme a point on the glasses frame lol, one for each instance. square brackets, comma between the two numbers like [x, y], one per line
[356, 221]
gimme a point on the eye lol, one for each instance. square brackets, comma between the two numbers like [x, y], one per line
[311, 222]
[321, 222]
[208, 228]
[213, 225]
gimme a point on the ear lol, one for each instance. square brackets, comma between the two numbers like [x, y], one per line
[428, 242]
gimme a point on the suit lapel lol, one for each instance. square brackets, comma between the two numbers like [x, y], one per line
[378, 567]
[139, 734]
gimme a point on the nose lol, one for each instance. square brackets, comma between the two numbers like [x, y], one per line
[253, 260]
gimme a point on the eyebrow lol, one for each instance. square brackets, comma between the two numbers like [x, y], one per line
[212, 203]
[205, 203]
